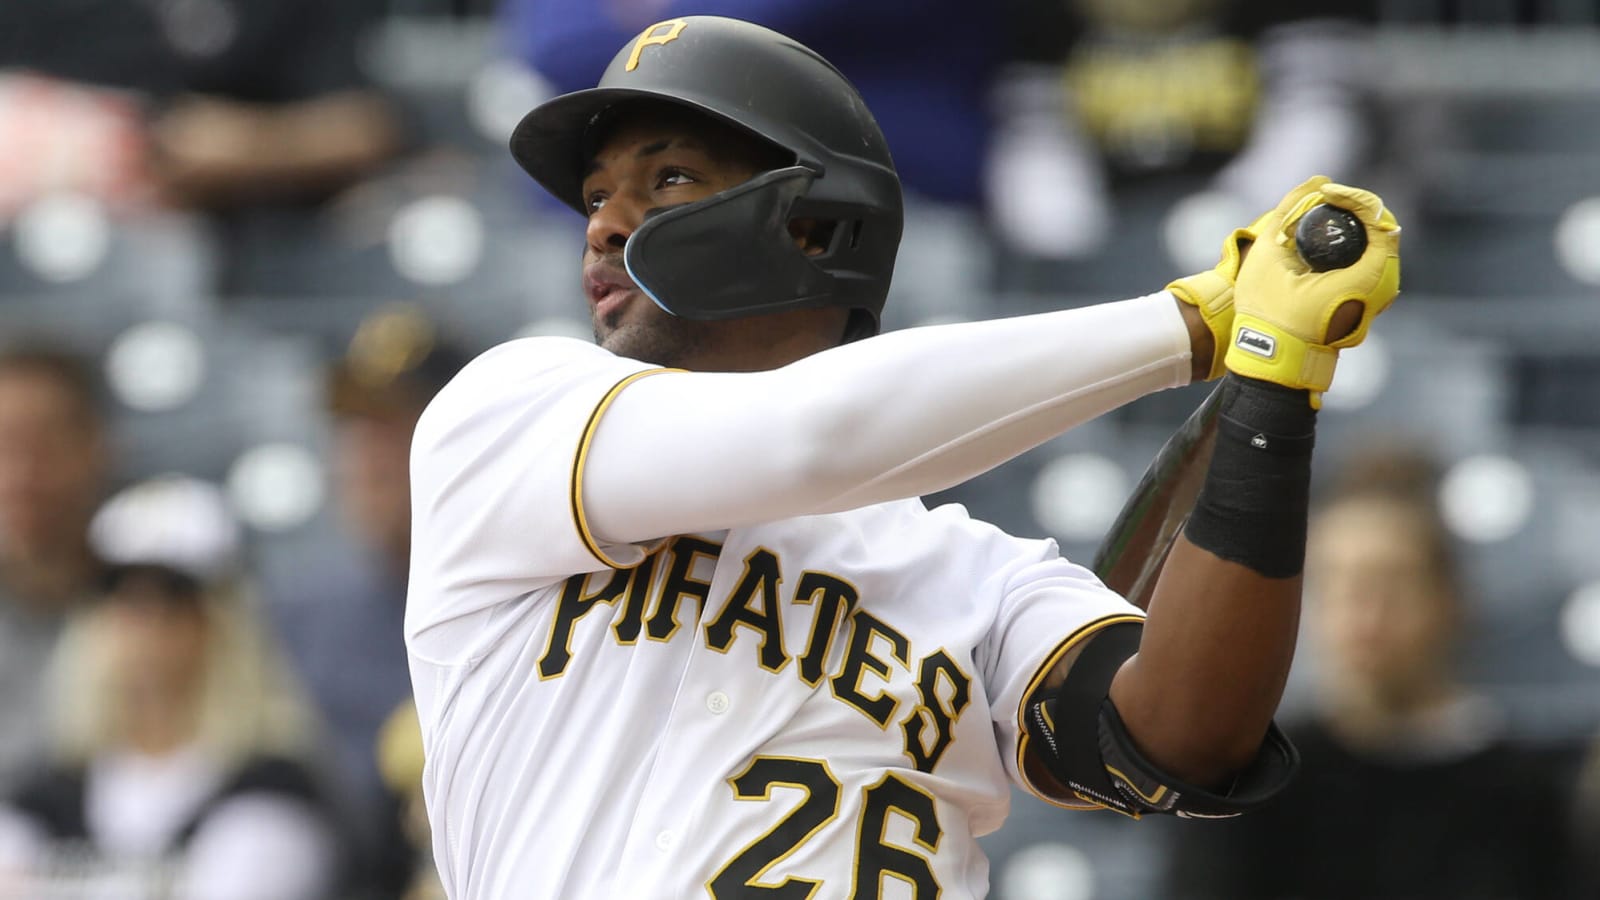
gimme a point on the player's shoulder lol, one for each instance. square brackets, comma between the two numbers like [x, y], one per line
[518, 370]
[963, 549]
[956, 517]
[1015, 566]
[950, 528]
[532, 356]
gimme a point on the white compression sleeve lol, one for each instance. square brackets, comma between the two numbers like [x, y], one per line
[905, 414]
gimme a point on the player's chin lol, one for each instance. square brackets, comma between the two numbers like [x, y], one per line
[660, 341]
[606, 325]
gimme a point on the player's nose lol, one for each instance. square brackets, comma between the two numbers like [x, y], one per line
[611, 224]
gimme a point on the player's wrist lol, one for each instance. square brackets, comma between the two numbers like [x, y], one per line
[1207, 340]
[1206, 301]
[1254, 505]
[1262, 350]
[1267, 406]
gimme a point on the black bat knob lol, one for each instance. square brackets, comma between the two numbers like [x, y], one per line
[1329, 237]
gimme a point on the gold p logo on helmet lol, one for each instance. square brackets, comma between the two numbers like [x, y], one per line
[649, 37]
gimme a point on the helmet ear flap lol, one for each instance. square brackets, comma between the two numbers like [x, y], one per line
[862, 324]
[730, 254]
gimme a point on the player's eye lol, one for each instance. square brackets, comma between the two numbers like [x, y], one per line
[672, 177]
[594, 202]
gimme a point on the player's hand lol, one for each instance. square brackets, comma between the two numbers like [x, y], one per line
[1211, 292]
[1284, 323]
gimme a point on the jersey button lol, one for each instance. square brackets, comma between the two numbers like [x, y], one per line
[664, 841]
[718, 703]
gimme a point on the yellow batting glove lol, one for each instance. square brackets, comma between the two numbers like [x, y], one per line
[1211, 292]
[1282, 308]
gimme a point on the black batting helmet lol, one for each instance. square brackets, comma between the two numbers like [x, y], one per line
[731, 254]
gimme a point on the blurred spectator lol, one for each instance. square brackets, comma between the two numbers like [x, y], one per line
[924, 66]
[201, 103]
[342, 617]
[1410, 786]
[1230, 101]
[169, 779]
[53, 467]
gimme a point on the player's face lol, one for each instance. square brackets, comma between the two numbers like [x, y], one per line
[662, 157]
[1382, 614]
[647, 164]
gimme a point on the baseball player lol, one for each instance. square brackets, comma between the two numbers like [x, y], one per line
[679, 625]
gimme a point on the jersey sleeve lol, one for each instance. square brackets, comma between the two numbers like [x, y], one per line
[1046, 609]
[496, 474]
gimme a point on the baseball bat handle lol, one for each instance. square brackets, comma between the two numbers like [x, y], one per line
[1130, 557]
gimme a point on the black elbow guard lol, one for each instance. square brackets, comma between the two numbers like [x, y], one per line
[1080, 737]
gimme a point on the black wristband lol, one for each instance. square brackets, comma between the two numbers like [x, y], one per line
[1252, 509]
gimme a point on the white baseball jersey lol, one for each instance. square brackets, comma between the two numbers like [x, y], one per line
[825, 706]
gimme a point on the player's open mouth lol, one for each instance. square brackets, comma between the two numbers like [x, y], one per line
[608, 288]
[611, 302]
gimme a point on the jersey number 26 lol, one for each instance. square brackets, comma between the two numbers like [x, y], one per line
[743, 875]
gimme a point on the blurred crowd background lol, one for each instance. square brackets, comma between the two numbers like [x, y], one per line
[243, 241]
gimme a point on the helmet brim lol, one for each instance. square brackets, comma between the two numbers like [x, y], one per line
[552, 140]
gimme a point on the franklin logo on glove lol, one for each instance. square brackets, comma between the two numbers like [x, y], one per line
[1255, 342]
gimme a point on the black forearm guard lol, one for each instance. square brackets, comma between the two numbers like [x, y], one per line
[1079, 736]
[1146, 786]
